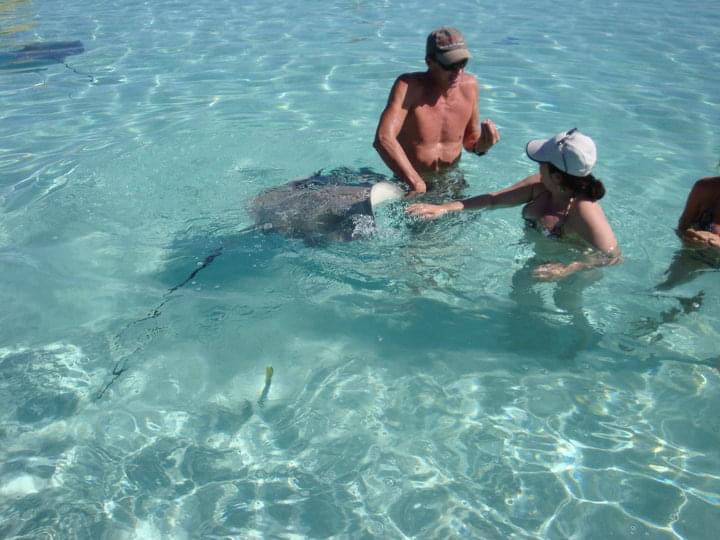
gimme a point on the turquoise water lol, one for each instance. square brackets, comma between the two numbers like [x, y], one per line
[424, 386]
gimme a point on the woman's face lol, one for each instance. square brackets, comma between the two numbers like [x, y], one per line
[552, 181]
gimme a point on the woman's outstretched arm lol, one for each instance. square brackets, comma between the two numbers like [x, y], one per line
[519, 193]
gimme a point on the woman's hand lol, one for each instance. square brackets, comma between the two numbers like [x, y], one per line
[554, 271]
[427, 211]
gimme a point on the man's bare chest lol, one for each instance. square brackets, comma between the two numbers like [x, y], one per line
[444, 116]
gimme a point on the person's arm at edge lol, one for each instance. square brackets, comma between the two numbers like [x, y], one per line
[701, 190]
[386, 136]
[693, 205]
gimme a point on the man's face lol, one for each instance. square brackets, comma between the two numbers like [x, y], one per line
[446, 75]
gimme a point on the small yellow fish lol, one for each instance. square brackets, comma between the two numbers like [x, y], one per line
[268, 377]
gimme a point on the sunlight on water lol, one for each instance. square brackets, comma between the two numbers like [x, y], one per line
[424, 384]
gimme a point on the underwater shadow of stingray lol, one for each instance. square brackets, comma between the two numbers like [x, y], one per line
[36, 56]
[335, 206]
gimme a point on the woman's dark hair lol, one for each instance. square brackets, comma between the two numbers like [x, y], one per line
[589, 186]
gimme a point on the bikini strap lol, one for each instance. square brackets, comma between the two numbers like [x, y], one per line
[557, 229]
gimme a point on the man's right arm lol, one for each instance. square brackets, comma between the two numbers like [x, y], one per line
[386, 136]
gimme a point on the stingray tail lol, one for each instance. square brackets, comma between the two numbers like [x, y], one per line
[88, 75]
[121, 366]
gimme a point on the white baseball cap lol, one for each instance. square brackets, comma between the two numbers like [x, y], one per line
[570, 151]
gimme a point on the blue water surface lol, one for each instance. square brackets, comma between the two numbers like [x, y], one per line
[425, 385]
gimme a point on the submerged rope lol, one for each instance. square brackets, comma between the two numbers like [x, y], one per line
[121, 366]
[91, 77]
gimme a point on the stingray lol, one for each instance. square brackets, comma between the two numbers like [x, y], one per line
[335, 206]
[39, 55]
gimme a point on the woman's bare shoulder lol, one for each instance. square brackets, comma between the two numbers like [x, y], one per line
[584, 206]
[709, 184]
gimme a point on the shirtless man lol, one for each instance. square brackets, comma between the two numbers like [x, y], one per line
[430, 116]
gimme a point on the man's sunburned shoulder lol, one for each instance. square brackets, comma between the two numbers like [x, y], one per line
[423, 78]
[412, 86]
[470, 83]
[412, 79]
[416, 85]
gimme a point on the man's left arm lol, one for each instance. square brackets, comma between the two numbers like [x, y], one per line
[479, 137]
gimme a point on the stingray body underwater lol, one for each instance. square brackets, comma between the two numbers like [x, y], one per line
[36, 56]
[334, 206]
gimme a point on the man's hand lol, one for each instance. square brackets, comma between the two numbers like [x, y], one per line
[416, 189]
[489, 136]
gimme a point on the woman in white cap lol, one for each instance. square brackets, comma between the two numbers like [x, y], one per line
[560, 201]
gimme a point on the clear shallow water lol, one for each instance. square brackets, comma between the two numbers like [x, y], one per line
[424, 385]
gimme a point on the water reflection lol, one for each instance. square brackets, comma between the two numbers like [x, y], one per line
[13, 14]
